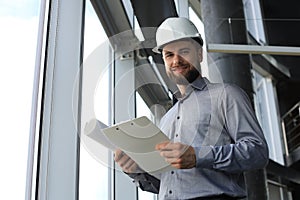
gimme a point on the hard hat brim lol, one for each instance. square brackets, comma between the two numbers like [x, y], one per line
[158, 49]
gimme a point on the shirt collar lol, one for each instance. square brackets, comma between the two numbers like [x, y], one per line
[198, 84]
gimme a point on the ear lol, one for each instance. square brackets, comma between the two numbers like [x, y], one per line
[200, 54]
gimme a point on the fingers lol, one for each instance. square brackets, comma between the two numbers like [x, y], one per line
[162, 145]
[125, 162]
[118, 155]
[179, 155]
[130, 166]
[121, 158]
[170, 149]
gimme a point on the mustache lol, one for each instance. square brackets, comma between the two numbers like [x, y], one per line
[180, 66]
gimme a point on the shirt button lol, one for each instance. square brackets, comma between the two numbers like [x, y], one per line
[176, 135]
[172, 172]
[170, 191]
[178, 117]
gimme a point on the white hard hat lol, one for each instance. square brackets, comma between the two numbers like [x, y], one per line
[175, 28]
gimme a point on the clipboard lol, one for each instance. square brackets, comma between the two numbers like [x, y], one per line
[137, 138]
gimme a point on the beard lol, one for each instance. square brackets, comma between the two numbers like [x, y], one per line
[184, 79]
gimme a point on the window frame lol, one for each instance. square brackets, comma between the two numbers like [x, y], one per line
[274, 138]
[58, 145]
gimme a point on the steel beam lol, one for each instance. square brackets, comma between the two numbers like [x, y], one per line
[254, 49]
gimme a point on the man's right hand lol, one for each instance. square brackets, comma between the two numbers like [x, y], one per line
[125, 162]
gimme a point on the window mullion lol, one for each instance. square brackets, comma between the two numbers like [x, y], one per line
[58, 163]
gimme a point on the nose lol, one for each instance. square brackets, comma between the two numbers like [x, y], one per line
[177, 59]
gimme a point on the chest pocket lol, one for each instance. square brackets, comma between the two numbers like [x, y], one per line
[196, 122]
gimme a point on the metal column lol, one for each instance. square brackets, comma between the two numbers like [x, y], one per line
[224, 24]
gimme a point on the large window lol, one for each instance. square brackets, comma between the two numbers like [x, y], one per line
[19, 22]
[107, 88]
[95, 160]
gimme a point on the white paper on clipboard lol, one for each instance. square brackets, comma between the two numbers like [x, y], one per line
[137, 138]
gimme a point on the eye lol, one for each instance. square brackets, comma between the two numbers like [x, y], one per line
[184, 52]
[168, 55]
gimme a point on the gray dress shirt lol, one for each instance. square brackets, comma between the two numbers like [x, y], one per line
[219, 122]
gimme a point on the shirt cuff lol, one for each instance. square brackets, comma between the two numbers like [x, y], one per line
[204, 157]
[138, 176]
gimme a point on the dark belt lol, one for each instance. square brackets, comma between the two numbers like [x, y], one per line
[218, 197]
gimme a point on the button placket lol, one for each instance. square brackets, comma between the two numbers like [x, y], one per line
[178, 121]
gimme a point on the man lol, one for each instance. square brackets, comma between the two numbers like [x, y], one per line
[214, 132]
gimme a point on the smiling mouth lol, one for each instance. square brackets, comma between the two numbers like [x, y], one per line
[179, 69]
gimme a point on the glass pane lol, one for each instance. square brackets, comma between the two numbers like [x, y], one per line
[94, 180]
[200, 26]
[18, 39]
[141, 107]
[262, 107]
[274, 192]
[254, 21]
[143, 110]
[265, 107]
